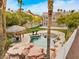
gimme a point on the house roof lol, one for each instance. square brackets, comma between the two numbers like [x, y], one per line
[30, 13]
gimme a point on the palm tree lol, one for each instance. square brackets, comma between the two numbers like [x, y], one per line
[72, 11]
[0, 3]
[0, 15]
[1, 31]
[58, 10]
[50, 9]
[4, 24]
[8, 9]
[4, 18]
[64, 11]
[61, 10]
[20, 2]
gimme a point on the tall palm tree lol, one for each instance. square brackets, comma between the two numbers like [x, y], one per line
[20, 2]
[9, 9]
[61, 10]
[4, 18]
[72, 11]
[50, 10]
[4, 25]
[58, 10]
[0, 3]
[0, 16]
[64, 11]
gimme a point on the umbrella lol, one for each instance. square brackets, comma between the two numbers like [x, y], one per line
[15, 29]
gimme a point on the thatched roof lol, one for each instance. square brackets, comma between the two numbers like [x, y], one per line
[15, 29]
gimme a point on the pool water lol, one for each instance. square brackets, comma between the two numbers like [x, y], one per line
[42, 42]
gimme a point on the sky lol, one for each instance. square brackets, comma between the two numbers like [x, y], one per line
[40, 6]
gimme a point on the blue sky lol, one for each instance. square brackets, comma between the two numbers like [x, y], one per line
[40, 6]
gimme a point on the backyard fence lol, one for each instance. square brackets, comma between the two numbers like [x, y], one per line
[62, 53]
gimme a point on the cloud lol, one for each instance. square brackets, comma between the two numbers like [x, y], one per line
[43, 7]
[58, 4]
[37, 8]
[12, 4]
[67, 5]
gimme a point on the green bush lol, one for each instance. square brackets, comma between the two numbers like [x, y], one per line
[71, 20]
[8, 43]
[1, 49]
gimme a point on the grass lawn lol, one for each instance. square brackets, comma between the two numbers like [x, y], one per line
[30, 30]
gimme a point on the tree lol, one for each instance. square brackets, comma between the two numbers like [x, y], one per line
[0, 3]
[11, 19]
[61, 10]
[64, 11]
[8, 9]
[25, 18]
[16, 19]
[50, 9]
[20, 2]
[58, 10]
[4, 18]
[4, 24]
[72, 11]
[71, 20]
[1, 32]
[37, 19]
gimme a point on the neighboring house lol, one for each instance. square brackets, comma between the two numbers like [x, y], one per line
[29, 12]
[54, 18]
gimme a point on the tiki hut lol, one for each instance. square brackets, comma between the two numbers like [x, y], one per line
[16, 30]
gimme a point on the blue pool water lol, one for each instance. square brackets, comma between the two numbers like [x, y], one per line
[42, 42]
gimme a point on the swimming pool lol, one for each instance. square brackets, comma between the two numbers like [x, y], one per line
[42, 40]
